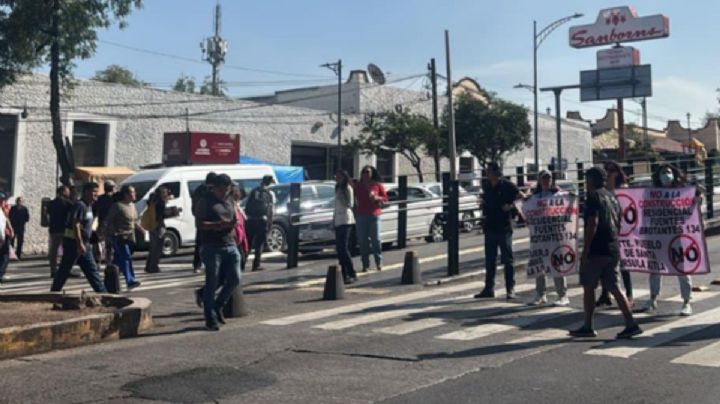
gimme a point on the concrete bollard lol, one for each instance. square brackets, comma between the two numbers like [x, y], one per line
[334, 286]
[112, 279]
[235, 307]
[411, 270]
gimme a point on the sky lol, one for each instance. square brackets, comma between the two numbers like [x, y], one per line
[280, 44]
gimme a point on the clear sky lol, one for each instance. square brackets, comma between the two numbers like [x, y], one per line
[491, 41]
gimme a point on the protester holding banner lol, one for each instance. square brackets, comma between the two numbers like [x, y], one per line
[616, 178]
[669, 176]
[601, 253]
[544, 190]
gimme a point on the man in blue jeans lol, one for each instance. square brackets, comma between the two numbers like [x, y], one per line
[76, 242]
[215, 220]
[498, 198]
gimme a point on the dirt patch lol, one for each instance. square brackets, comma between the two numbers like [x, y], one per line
[14, 314]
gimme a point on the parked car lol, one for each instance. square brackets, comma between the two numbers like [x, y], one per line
[182, 182]
[469, 205]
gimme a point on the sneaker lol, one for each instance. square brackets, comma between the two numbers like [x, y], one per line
[379, 268]
[629, 332]
[219, 314]
[366, 269]
[349, 280]
[686, 310]
[212, 326]
[562, 302]
[538, 301]
[196, 270]
[485, 294]
[583, 332]
[511, 295]
[603, 301]
[198, 297]
[133, 285]
[650, 306]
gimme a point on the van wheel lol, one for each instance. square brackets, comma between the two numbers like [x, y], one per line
[170, 243]
[468, 224]
[276, 239]
[436, 231]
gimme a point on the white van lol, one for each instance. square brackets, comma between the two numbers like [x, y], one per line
[182, 182]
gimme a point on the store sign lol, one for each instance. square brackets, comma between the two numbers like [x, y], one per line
[617, 25]
[618, 57]
[180, 148]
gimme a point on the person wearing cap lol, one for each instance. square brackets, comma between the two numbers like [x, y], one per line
[260, 209]
[601, 254]
[101, 208]
[498, 198]
[6, 234]
[19, 217]
[215, 218]
[545, 188]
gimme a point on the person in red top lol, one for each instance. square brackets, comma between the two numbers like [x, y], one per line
[371, 197]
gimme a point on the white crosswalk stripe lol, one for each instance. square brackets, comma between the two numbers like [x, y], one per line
[708, 356]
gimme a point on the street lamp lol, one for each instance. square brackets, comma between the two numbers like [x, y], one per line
[538, 38]
[525, 86]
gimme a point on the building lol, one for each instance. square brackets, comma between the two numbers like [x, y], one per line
[114, 125]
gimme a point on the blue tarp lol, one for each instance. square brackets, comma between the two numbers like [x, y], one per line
[284, 174]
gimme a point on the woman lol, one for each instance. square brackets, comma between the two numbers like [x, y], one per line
[120, 226]
[7, 235]
[370, 196]
[616, 178]
[545, 188]
[668, 176]
[343, 219]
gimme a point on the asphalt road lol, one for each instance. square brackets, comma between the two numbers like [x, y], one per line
[383, 343]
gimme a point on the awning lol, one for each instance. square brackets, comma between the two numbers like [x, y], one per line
[102, 174]
[284, 174]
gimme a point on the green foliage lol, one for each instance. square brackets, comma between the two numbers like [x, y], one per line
[489, 131]
[185, 84]
[399, 131]
[118, 74]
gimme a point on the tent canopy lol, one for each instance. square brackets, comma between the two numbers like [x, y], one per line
[284, 174]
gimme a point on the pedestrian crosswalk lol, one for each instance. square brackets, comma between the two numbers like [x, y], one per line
[432, 315]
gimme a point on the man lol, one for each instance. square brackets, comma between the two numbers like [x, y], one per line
[58, 211]
[215, 219]
[19, 216]
[601, 253]
[6, 234]
[498, 198]
[162, 211]
[104, 249]
[76, 242]
[260, 208]
[201, 191]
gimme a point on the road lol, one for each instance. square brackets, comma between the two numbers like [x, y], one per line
[384, 343]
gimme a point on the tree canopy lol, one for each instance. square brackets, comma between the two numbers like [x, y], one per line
[118, 74]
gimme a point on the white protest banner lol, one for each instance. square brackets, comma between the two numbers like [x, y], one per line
[552, 222]
[661, 231]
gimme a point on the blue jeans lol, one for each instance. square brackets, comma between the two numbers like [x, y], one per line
[122, 257]
[503, 241]
[368, 231]
[86, 263]
[220, 262]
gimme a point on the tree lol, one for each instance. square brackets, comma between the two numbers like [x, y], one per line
[399, 131]
[185, 84]
[56, 32]
[490, 130]
[118, 74]
[207, 88]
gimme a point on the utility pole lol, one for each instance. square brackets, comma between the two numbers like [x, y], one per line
[214, 50]
[621, 129]
[451, 111]
[337, 69]
[645, 124]
[436, 123]
[690, 145]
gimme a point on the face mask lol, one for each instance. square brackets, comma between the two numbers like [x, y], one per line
[666, 179]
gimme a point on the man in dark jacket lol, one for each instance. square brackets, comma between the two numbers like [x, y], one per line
[498, 196]
[102, 249]
[58, 211]
[200, 192]
[19, 216]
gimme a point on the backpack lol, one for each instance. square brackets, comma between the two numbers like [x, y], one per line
[258, 203]
[149, 217]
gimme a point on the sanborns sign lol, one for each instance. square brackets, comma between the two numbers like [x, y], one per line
[620, 24]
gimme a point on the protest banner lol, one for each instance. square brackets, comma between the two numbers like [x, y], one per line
[552, 223]
[661, 231]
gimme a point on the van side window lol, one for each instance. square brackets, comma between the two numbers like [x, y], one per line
[174, 188]
[193, 186]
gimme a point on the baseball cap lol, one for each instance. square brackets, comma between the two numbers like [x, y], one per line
[544, 173]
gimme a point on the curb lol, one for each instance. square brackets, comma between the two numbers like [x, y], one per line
[131, 319]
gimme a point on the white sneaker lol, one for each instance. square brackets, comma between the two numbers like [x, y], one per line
[650, 306]
[562, 302]
[539, 300]
[686, 310]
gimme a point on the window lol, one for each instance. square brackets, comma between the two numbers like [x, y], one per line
[416, 193]
[393, 195]
[89, 144]
[320, 161]
[8, 130]
[325, 192]
[385, 164]
[248, 184]
[174, 188]
[193, 186]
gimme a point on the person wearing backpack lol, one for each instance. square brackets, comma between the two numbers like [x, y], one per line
[260, 208]
[200, 193]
